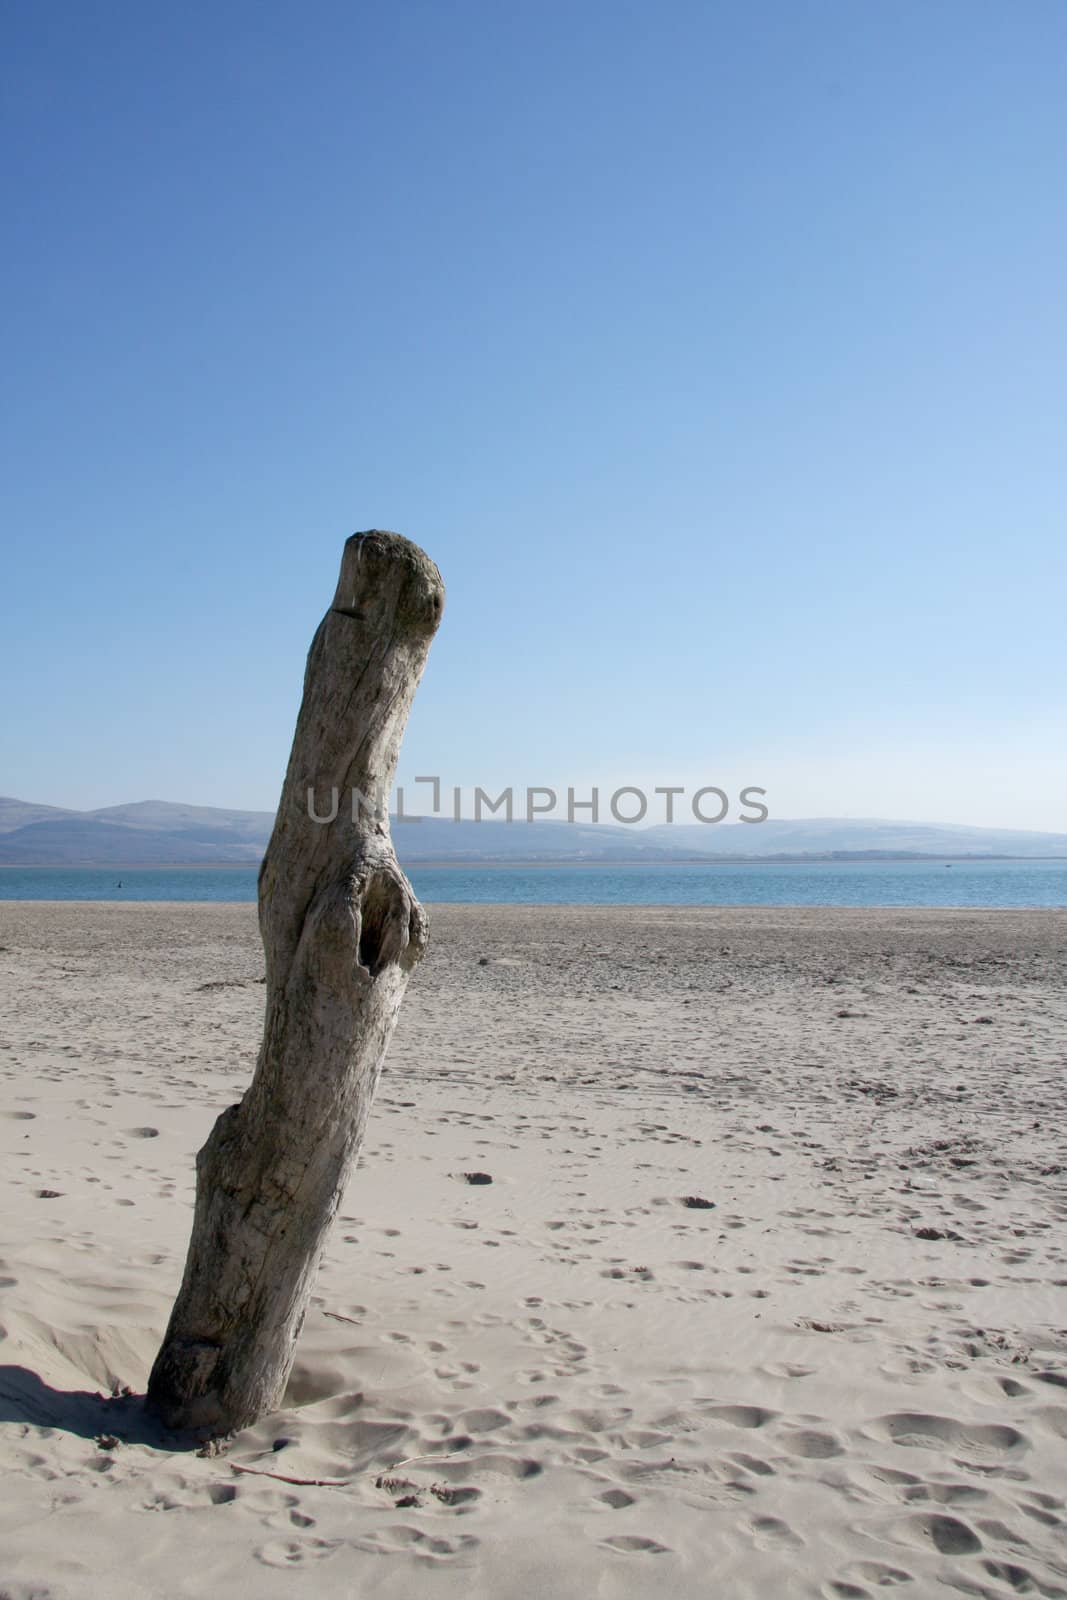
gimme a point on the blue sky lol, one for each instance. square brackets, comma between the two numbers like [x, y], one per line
[715, 352]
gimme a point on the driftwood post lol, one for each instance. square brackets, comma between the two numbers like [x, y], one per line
[341, 932]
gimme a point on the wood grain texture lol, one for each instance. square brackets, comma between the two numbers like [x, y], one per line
[341, 931]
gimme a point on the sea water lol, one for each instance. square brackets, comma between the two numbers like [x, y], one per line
[765, 883]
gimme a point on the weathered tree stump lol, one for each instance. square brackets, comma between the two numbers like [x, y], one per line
[341, 930]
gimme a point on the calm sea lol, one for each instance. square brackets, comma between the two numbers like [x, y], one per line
[869, 883]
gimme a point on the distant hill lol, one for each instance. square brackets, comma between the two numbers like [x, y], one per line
[162, 833]
[17, 813]
[167, 817]
[149, 833]
[858, 835]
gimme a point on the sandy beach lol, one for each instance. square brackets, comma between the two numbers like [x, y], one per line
[767, 1294]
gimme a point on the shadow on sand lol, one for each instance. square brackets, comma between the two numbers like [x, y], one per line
[90, 1415]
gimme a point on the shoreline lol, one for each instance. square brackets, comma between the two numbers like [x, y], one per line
[635, 907]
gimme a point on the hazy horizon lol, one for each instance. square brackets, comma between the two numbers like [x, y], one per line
[682, 819]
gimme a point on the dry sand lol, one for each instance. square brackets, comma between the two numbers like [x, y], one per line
[843, 1371]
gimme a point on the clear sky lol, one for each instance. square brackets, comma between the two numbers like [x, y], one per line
[717, 353]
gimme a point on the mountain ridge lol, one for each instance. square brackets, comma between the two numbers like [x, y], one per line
[169, 833]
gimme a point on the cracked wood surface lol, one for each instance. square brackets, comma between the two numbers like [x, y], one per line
[341, 931]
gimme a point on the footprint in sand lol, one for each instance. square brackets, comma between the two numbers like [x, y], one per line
[948, 1535]
[811, 1443]
[945, 1494]
[736, 1416]
[1054, 1420]
[875, 1573]
[402, 1538]
[484, 1420]
[786, 1369]
[288, 1515]
[1019, 1580]
[508, 1466]
[615, 1499]
[771, 1533]
[748, 1463]
[295, 1552]
[626, 1544]
[924, 1431]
